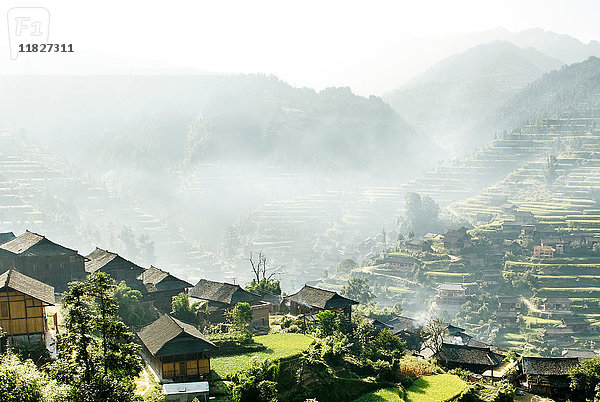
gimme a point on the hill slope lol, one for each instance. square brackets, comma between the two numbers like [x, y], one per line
[465, 89]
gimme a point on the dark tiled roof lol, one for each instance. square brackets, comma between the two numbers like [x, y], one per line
[559, 300]
[579, 354]
[30, 243]
[22, 283]
[451, 286]
[548, 365]
[225, 293]
[508, 299]
[320, 298]
[158, 334]
[403, 324]
[5, 237]
[99, 258]
[461, 354]
[154, 277]
[574, 320]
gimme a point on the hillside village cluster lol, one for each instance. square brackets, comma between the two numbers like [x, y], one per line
[37, 271]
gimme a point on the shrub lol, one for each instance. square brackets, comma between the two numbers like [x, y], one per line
[412, 367]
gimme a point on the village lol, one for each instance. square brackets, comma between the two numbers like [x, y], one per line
[182, 354]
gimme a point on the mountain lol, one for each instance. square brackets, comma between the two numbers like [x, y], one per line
[559, 46]
[163, 122]
[572, 91]
[461, 91]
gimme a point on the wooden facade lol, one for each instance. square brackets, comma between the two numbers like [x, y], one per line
[21, 314]
[23, 302]
[176, 351]
[37, 257]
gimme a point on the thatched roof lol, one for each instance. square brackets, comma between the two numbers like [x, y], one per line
[168, 336]
[548, 365]
[30, 244]
[220, 292]
[15, 280]
[156, 279]
[320, 298]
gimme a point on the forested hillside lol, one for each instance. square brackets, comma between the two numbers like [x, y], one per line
[174, 121]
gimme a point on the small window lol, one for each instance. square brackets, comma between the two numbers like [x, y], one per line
[4, 309]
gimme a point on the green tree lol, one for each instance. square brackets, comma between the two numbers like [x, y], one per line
[264, 286]
[358, 289]
[182, 310]
[585, 380]
[389, 344]
[256, 383]
[131, 308]
[20, 381]
[241, 316]
[97, 354]
[345, 266]
[421, 216]
[327, 323]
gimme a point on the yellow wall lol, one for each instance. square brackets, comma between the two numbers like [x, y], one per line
[21, 314]
[192, 368]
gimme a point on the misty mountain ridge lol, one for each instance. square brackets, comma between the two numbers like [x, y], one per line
[572, 91]
[174, 122]
[464, 89]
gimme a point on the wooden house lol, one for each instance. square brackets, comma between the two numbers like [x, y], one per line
[161, 286]
[23, 302]
[548, 376]
[457, 240]
[576, 322]
[490, 277]
[482, 218]
[524, 217]
[555, 336]
[176, 351]
[221, 296]
[398, 262]
[408, 330]
[509, 303]
[117, 267]
[37, 257]
[511, 229]
[450, 294]
[475, 359]
[417, 246]
[507, 319]
[310, 300]
[556, 304]
[543, 252]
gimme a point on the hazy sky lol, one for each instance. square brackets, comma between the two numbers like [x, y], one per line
[307, 43]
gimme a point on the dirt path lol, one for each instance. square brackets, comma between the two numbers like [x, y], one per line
[530, 305]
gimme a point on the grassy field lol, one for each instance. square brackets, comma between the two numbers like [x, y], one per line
[433, 388]
[278, 345]
[386, 394]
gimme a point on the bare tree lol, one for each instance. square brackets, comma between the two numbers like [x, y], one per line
[434, 334]
[259, 267]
